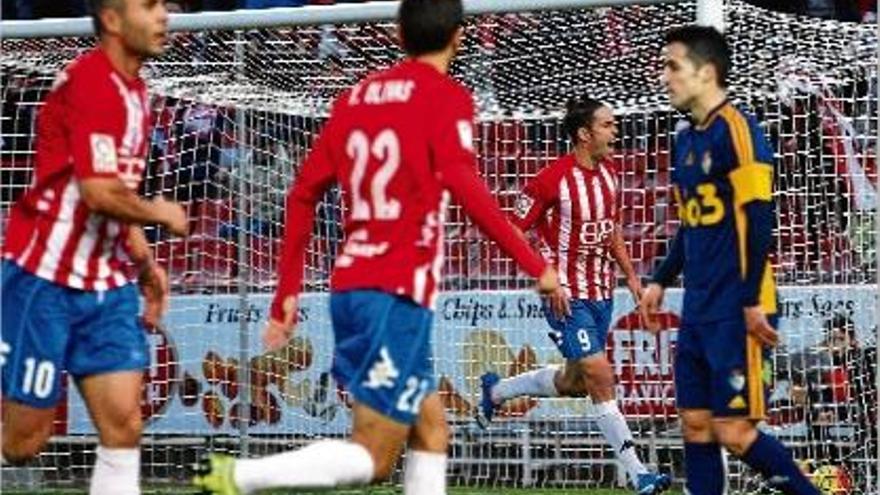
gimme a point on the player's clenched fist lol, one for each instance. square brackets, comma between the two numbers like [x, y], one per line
[173, 215]
[548, 283]
[277, 333]
[649, 305]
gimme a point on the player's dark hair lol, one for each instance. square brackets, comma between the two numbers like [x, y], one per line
[95, 7]
[427, 26]
[579, 112]
[705, 45]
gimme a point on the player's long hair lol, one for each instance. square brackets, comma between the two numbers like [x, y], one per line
[579, 112]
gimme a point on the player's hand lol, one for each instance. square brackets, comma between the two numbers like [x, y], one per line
[153, 282]
[174, 216]
[635, 288]
[559, 303]
[649, 306]
[548, 282]
[277, 333]
[758, 327]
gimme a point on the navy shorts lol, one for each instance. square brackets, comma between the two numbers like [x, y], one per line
[583, 333]
[383, 351]
[48, 328]
[719, 368]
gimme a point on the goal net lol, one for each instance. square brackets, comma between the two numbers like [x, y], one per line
[235, 112]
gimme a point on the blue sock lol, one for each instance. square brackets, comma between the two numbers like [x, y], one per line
[704, 468]
[770, 458]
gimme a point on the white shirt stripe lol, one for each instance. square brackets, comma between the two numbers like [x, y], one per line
[564, 233]
[586, 215]
[61, 229]
[83, 253]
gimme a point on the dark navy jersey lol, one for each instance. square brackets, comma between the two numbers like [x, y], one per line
[720, 167]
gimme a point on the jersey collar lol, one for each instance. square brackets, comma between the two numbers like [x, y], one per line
[711, 116]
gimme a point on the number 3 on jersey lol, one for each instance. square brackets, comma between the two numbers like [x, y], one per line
[385, 148]
[705, 209]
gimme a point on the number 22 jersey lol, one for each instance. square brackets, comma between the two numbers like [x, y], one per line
[395, 143]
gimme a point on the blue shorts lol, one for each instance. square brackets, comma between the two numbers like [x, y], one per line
[48, 328]
[383, 351]
[717, 368]
[584, 332]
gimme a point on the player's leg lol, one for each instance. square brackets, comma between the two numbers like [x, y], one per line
[593, 375]
[739, 395]
[704, 464]
[108, 354]
[382, 357]
[425, 470]
[35, 329]
[573, 343]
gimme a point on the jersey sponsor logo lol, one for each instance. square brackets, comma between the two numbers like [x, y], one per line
[595, 234]
[383, 373]
[523, 204]
[465, 134]
[104, 159]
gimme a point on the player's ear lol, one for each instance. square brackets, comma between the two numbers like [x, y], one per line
[111, 20]
[457, 36]
[584, 134]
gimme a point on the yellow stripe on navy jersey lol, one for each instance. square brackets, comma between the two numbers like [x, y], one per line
[720, 167]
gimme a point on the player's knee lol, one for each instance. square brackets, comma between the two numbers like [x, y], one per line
[122, 431]
[21, 447]
[434, 439]
[736, 436]
[384, 464]
[697, 431]
[599, 379]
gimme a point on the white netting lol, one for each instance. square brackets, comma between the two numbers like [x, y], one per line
[236, 112]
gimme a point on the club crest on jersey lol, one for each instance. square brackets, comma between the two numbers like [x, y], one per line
[690, 159]
[707, 162]
[737, 380]
[104, 159]
[523, 204]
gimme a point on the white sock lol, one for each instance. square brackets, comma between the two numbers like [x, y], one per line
[324, 464]
[424, 474]
[616, 432]
[116, 472]
[535, 383]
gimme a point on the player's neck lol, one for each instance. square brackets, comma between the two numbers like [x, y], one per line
[706, 104]
[122, 60]
[438, 60]
[583, 158]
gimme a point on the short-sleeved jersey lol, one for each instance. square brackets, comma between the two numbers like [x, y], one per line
[94, 124]
[575, 211]
[391, 143]
[720, 166]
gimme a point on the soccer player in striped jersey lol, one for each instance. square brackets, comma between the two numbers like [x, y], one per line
[723, 184]
[68, 301]
[396, 142]
[579, 194]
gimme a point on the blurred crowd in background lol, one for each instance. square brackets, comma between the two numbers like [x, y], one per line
[843, 10]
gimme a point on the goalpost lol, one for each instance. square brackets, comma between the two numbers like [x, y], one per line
[238, 99]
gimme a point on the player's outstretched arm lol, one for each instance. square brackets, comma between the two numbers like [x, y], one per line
[112, 198]
[316, 176]
[467, 188]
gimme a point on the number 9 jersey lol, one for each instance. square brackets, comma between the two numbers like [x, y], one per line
[720, 167]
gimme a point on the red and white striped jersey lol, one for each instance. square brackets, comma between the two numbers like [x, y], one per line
[94, 124]
[575, 211]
